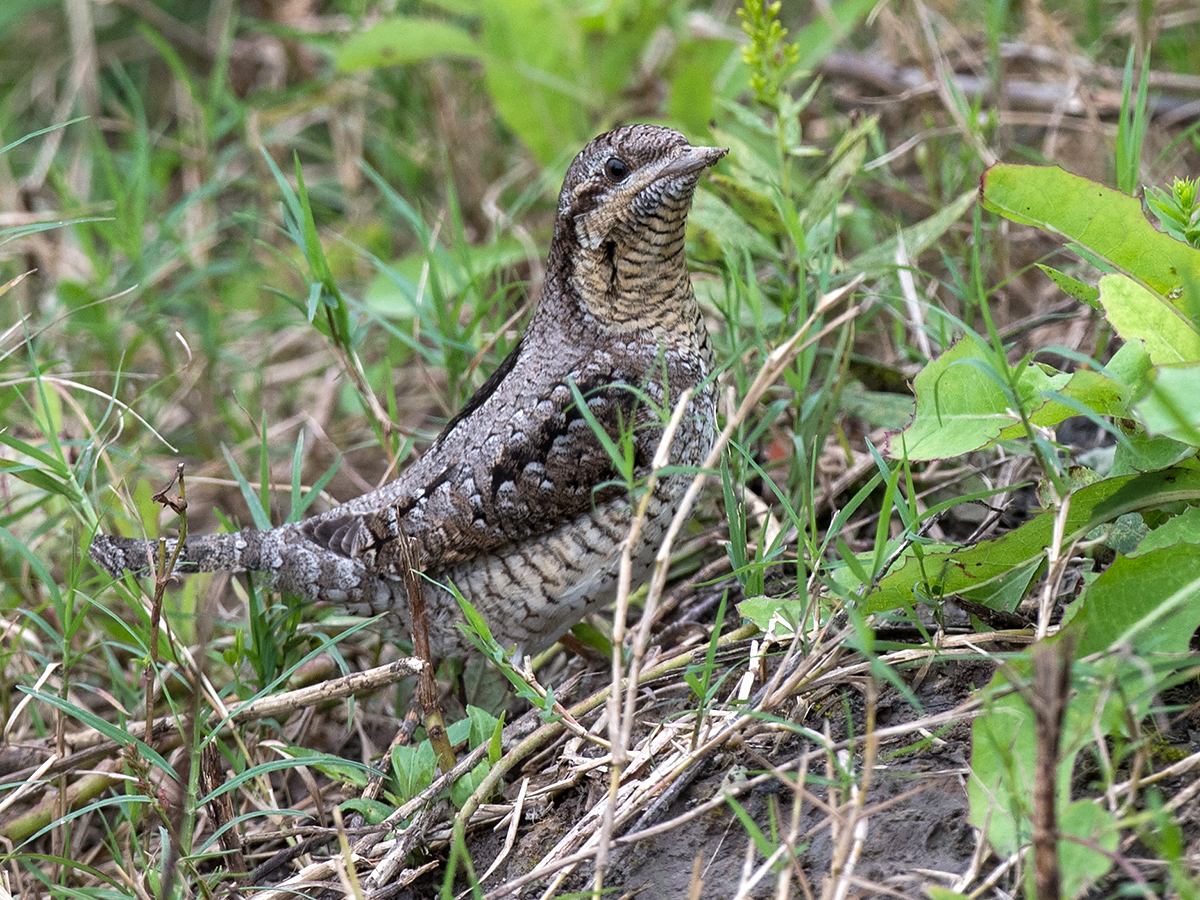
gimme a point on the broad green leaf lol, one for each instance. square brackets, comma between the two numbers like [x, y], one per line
[696, 65]
[1150, 605]
[1106, 222]
[941, 574]
[482, 725]
[752, 162]
[1003, 748]
[1139, 315]
[535, 58]
[1090, 824]
[753, 207]
[1129, 364]
[773, 613]
[1126, 532]
[1181, 529]
[1151, 602]
[1003, 760]
[539, 86]
[394, 293]
[462, 789]
[916, 238]
[591, 636]
[145, 511]
[372, 811]
[1007, 591]
[961, 405]
[414, 768]
[478, 728]
[457, 732]
[404, 39]
[1142, 453]
[1171, 408]
[1086, 387]
[1102, 394]
[880, 408]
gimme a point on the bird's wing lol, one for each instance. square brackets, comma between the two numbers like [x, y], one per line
[499, 474]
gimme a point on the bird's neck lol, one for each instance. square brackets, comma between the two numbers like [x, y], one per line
[624, 286]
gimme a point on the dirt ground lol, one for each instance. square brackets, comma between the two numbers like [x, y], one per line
[909, 832]
[912, 830]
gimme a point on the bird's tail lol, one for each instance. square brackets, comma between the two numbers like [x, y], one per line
[284, 557]
[207, 553]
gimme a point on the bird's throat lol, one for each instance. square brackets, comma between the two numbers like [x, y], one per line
[627, 288]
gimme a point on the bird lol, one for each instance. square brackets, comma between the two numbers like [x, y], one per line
[517, 503]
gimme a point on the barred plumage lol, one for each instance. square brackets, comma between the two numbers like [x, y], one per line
[515, 502]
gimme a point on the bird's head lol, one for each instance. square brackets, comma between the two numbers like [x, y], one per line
[630, 180]
[617, 255]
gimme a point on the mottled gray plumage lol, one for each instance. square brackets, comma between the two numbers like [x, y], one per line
[514, 502]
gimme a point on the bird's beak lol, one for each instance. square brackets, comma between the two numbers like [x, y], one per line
[693, 160]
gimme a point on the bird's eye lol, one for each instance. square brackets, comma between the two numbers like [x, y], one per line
[616, 170]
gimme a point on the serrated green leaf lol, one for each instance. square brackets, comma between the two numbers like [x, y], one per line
[962, 405]
[1084, 293]
[1142, 453]
[1107, 222]
[1181, 529]
[1140, 315]
[1151, 602]
[1086, 393]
